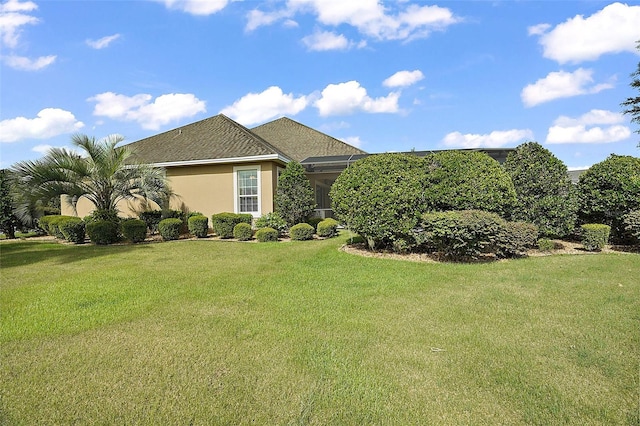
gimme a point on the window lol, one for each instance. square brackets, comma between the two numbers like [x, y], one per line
[247, 189]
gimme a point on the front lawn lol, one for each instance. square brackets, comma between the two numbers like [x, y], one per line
[218, 332]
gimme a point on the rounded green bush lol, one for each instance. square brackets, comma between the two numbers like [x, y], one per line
[301, 232]
[595, 236]
[199, 226]
[267, 234]
[223, 223]
[242, 232]
[516, 238]
[73, 229]
[632, 225]
[170, 228]
[134, 230]
[103, 232]
[327, 228]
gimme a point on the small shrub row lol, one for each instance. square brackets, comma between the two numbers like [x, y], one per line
[170, 228]
[134, 230]
[267, 234]
[595, 236]
[242, 232]
[199, 226]
[73, 229]
[223, 223]
[301, 232]
[103, 232]
[327, 228]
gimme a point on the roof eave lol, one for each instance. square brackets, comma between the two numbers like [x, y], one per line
[212, 161]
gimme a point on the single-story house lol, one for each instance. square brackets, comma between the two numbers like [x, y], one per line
[217, 165]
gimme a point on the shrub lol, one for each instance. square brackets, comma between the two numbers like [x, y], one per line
[595, 236]
[272, 220]
[51, 224]
[43, 222]
[134, 230]
[314, 221]
[103, 232]
[631, 223]
[515, 238]
[545, 244]
[151, 218]
[242, 232]
[545, 194]
[223, 223]
[301, 232]
[177, 214]
[199, 226]
[73, 229]
[327, 228]
[294, 198]
[170, 228]
[264, 235]
[103, 214]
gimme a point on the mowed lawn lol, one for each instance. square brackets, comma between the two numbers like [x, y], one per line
[214, 332]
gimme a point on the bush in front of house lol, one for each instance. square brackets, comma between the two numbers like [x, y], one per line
[223, 223]
[170, 228]
[199, 226]
[301, 232]
[73, 229]
[272, 220]
[294, 199]
[103, 232]
[515, 239]
[545, 244]
[595, 236]
[327, 228]
[242, 232]
[134, 230]
[631, 223]
[267, 234]
[151, 218]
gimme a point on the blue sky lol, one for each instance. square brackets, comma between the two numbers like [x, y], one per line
[384, 76]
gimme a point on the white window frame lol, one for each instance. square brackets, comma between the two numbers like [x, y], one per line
[236, 192]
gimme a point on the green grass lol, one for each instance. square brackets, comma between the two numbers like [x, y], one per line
[215, 332]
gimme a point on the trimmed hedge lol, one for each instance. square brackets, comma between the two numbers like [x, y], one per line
[170, 228]
[516, 238]
[134, 230]
[73, 229]
[199, 226]
[595, 236]
[272, 220]
[151, 218]
[631, 223]
[242, 232]
[103, 232]
[223, 223]
[327, 228]
[264, 235]
[51, 224]
[301, 232]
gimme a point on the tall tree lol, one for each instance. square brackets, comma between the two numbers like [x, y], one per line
[294, 196]
[104, 174]
[632, 104]
[8, 220]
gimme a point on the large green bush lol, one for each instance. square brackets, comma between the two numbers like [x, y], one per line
[73, 229]
[242, 232]
[134, 230]
[301, 232]
[609, 190]
[595, 236]
[223, 223]
[327, 228]
[103, 232]
[381, 197]
[545, 194]
[199, 226]
[170, 228]
[272, 220]
[294, 199]
[267, 234]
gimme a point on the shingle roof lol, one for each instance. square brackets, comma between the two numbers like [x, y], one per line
[298, 141]
[216, 137]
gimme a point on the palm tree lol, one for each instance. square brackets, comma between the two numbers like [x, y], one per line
[104, 175]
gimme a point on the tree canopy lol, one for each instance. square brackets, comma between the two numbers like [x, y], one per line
[632, 104]
[294, 198]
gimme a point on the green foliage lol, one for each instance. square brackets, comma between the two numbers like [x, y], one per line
[103, 214]
[242, 232]
[294, 198]
[72, 229]
[151, 218]
[170, 228]
[595, 236]
[51, 224]
[545, 244]
[545, 194]
[264, 235]
[103, 232]
[631, 223]
[223, 223]
[134, 230]
[272, 220]
[199, 226]
[43, 222]
[8, 220]
[608, 191]
[301, 232]
[515, 239]
[314, 221]
[327, 228]
[632, 104]
[381, 197]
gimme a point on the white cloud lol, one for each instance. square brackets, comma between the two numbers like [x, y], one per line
[42, 149]
[258, 107]
[102, 42]
[326, 40]
[613, 29]
[495, 139]
[349, 97]
[257, 18]
[353, 141]
[27, 64]
[538, 29]
[595, 126]
[196, 7]
[561, 84]
[403, 78]
[48, 123]
[12, 17]
[141, 109]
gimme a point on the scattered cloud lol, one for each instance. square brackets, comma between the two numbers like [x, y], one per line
[595, 126]
[12, 18]
[349, 97]
[403, 78]
[103, 42]
[613, 29]
[561, 84]
[326, 40]
[258, 107]
[257, 18]
[353, 141]
[196, 7]
[48, 123]
[28, 64]
[495, 139]
[148, 112]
